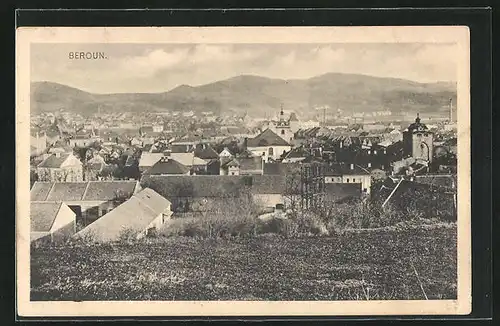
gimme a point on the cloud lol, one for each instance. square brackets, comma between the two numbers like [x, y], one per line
[152, 61]
[187, 57]
[154, 68]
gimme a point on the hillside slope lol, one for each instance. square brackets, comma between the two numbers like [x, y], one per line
[258, 96]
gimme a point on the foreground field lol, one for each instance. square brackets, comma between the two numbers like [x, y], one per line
[410, 263]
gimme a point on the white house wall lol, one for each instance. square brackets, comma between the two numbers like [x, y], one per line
[64, 217]
[365, 180]
[277, 151]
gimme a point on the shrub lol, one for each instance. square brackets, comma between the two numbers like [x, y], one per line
[127, 235]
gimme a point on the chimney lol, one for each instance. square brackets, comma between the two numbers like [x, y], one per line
[352, 166]
[245, 143]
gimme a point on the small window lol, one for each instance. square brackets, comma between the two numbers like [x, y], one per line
[282, 132]
[369, 151]
[369, 165]
[375, 152]
[353, 180]
[271, 151]
[347, 179]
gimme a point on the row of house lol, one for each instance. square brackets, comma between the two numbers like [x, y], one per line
[139, 215]
[112, 209]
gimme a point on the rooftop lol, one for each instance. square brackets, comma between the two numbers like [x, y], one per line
[81, 191]
[42, 216]
[135, 215]
[54, 161]
[267, 138]
[167, 166]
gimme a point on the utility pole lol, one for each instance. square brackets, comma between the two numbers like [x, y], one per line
[312, 185]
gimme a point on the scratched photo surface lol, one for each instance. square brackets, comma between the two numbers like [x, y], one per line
[244, 172]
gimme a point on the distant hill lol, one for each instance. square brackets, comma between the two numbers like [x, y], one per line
[259, 95]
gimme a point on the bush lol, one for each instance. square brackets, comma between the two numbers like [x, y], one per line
[237, 217]
[127, 235]
[212, 226]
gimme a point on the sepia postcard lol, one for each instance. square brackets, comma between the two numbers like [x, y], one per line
[243, 171]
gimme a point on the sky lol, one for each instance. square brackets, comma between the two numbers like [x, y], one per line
[160, 67]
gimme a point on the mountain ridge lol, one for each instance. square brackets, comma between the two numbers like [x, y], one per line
[257, 95]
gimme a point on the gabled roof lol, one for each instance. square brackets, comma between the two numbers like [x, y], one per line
[187, 159]
[227, 151]
[267, 138]
[108, 190]
[206, 153]
[225, 160]
[67, 191]
[149, 159]
[230, 162]
[54, 161]
[297, 152]
[81, 191]
[135, 215]
[167, 166]
[42, 215]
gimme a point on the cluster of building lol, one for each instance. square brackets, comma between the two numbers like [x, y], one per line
[108, 182]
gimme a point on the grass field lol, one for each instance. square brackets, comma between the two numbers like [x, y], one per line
[408, 263]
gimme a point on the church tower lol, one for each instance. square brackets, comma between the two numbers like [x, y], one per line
[282, 127]
[418, 141]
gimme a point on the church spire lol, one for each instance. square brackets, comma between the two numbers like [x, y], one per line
[417, 120]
